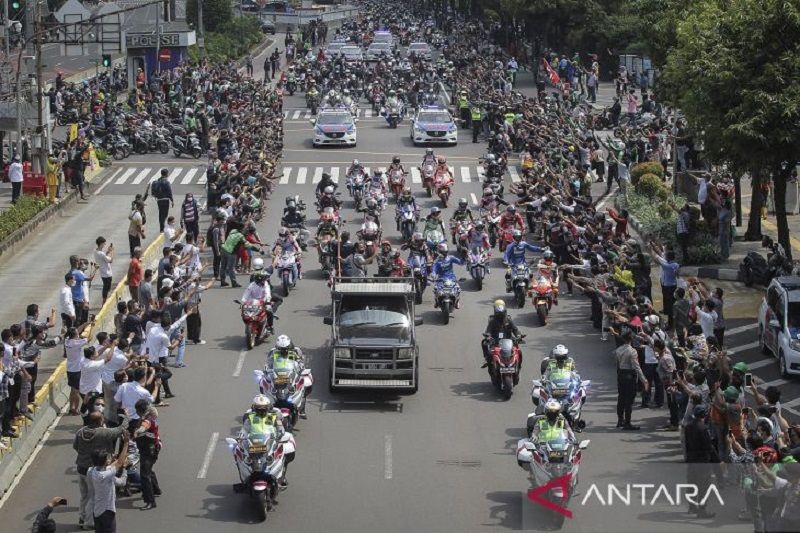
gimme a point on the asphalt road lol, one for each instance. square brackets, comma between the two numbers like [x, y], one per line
[438, 461]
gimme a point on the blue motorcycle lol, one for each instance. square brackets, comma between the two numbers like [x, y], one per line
[418, 265]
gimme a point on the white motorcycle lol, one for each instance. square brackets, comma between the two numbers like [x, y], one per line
[290, 384]
[286, 268]
[546, 461]
[570, 391]
[261, 460]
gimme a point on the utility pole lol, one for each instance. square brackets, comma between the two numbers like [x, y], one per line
[201, 30]
[159, 7]
[41, 126]
[6, 28]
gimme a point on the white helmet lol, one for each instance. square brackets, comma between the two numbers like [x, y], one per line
[560, 350]
[283, 342]
[258, 264]
[262, 402]
[552, 409]
[653, 320]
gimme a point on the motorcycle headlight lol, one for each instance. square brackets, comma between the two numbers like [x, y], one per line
[342, 353]
[449, 283]
[405, 353]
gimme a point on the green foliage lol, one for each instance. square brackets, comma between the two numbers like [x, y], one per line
[102, 157]
[648, 167]
[650, 186]
[216, 14]
[18, 214]
[234, 40]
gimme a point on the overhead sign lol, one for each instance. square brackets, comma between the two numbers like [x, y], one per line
[149, 40]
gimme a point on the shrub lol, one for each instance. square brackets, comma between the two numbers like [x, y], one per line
[234, 39]
[651, 186]
[648, 167]
[18, 214]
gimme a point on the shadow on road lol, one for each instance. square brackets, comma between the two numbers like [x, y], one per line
[477, 390]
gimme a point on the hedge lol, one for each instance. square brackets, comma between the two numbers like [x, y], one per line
[20, 213]
[648, 167]
[234, 40]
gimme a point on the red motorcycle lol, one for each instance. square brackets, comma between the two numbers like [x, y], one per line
[397, 181]
[544, 294]
[505, 237]
[427, 177]
[505, 364]
[255, 315]
[443, 184]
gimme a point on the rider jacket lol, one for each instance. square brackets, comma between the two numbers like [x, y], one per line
[293, 219]
[515, 252]
[462, 214]
[327, 200]
[552, 366]
[443, 266]
[326, 181]
[257, 291]
[432, 224]
[506, 326]
[509, 221]
[255, 424]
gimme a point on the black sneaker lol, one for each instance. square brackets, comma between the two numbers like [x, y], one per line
[629, 427]
[485, 365]
[235, 285]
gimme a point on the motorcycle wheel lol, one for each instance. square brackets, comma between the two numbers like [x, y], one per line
[445, 307]
[249, 338]
[126, 150]
[60, 120]
[479, 282]
[163, 147]
[492, 238]
[541, 312]
[519, 294]
[285, 283]
[444, 200]
[430, 192]
[196, 153]
[508, 386]
[262, 504]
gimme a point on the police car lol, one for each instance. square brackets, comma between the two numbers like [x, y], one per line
[334, 127]
[779, 323]
[433, 124]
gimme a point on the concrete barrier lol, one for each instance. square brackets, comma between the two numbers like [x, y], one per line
[53, 395]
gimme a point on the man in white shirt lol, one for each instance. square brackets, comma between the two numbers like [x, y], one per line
[103, 481]
[65, 304]
[15, 177]
[92, 365]
[118, 361]
[104, 257]
[707, 318]
[131, 392]
[73, 347]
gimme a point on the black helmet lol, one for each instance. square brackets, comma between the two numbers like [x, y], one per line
[517, 236]
[396, 159]
[462, 202]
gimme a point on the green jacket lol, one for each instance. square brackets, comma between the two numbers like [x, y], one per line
[234, 238]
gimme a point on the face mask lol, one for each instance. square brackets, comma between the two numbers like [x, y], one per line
[71, 283]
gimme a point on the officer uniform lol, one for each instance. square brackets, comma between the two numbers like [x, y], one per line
[629, 373]
[463, 106]
[475, 118]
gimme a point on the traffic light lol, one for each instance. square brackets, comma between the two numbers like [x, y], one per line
[107, 60]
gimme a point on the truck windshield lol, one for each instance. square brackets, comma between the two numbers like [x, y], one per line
[381, 317]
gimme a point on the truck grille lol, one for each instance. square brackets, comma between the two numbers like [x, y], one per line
[374, 382]
[374, 354]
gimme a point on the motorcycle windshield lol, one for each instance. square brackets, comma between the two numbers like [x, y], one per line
[560, 387]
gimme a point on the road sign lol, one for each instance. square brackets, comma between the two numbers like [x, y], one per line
[165, 55]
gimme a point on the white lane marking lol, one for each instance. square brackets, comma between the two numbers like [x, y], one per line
[202, 180]
[285, 114]
[465, 174]
[514, 175]
[21, 475]
[367, 113]
[743, 348]
[307, 115]
[187, 178]
[415, 175]
[746, 327]
[481, 174]
[317, 175]
[285, 178]
[239, 364]
[387, 457]
[127, 174]
[790, 404]
[773, 383]
[174, 174]
[474, 198]
[141, 176]
[760, 364]
[109, 180]
[335, 174]
[301, 175]
[212, 444]
[296, 115]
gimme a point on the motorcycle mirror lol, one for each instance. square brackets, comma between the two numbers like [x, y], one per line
[418, 321]
[231, 442]
[328, 321]
[536, 383]
[237, 302]
[582, 445]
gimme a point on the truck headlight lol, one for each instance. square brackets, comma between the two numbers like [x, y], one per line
[342, 353]
[796, 345]
[405, 353]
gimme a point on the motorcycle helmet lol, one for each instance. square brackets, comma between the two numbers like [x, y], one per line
[356, 163]
[479, 225]
[396, 254]
[283, 232]
[377, 173]
[517, 236]
[346, 92]
[385, 243]
[462, 203]
[259, 277]
[560, 352]
[548, 255]
[326, 176]
[392, 93]
[552, 409]
[262, 404]
[283, 344]
[416, 237]
[511, 209]
[442, 160]
[442, 248]
[435, 211]
[258, 264]
[653, 320]
[487, 191]
[407, 193]
[499, 309]
[371, 203]
[429, 151]
[490, 158]
[396, 160]
[328, 190]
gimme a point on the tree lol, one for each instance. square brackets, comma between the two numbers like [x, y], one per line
[216, 13]
[735, 73]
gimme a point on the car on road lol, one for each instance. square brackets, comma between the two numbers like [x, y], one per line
[779, 323]
[376, 49]
[334, 127]
[433, 125]
[268, 27]
[419, 49]
[384, 37]
[334, 48]
[352, 53]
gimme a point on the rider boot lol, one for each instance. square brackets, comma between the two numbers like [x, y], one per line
[508, 281]
[486, 355]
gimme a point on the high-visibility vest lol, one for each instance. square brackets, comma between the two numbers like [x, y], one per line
[509, 118]
[463, 102]
[548, 432]
[475, 113]
[261, 425]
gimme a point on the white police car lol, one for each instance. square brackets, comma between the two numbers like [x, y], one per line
[334, 127]
[433, 125]
[779, 323]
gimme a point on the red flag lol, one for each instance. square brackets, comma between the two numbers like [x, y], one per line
[554, 79]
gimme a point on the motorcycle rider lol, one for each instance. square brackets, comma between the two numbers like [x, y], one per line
[433, 222]
[547, 266]
[550, 426]
[293, 218]
[392, 101]
[287, 244]
[478, 237]
[515, 254]
[280, 356]
[356, 166]
[384, 259]
[405, 199]
[499, 322]
[263, 418]
[396, 165]
[417, 246]
[328, 199]
[443, 170]
[490, 201]
[462, 213]
[377, 187]
[325, 182]
[399, 266]
[558, 365]
[428, 157]
[511, 219]
[443, 269]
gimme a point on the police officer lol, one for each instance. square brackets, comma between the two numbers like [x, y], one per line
[476, 117]
[463, 108]
[628, 374]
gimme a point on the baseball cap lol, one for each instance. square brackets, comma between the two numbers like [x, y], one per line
[741, 366]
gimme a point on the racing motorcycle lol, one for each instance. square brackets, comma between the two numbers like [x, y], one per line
[407, 220]
[428, 170]
[477, 264]
[286, 268]
[520, 279]
[255, 316]
[570, 392]
[370, 235]
[443, 186]
[418, 265]
[543, 294]
[506, 361]
[261, 461]
[445, 293]
[550, 460]
[289, 384]
[505, 237]
[356, 186]
[397, 181]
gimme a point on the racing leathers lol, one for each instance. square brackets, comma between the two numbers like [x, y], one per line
[443, 270]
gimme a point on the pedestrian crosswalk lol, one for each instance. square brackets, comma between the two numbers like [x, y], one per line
[295, 175]
[305, 114]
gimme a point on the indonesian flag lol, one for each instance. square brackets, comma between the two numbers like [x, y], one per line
[554, 79]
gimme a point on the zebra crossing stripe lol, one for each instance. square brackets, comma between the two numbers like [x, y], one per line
[473, 198]
[367, 171]
[141, 176]
[296, 115]
[481, 174]
[285, 178]
[335, 174]
[465, 174]
[125, 175]
[415, 175]
[174, 174]
[187, 178]
[358, 112]
[367, 113]
[514, 174]
[285, 115]
[301, 175]
[202, 180]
